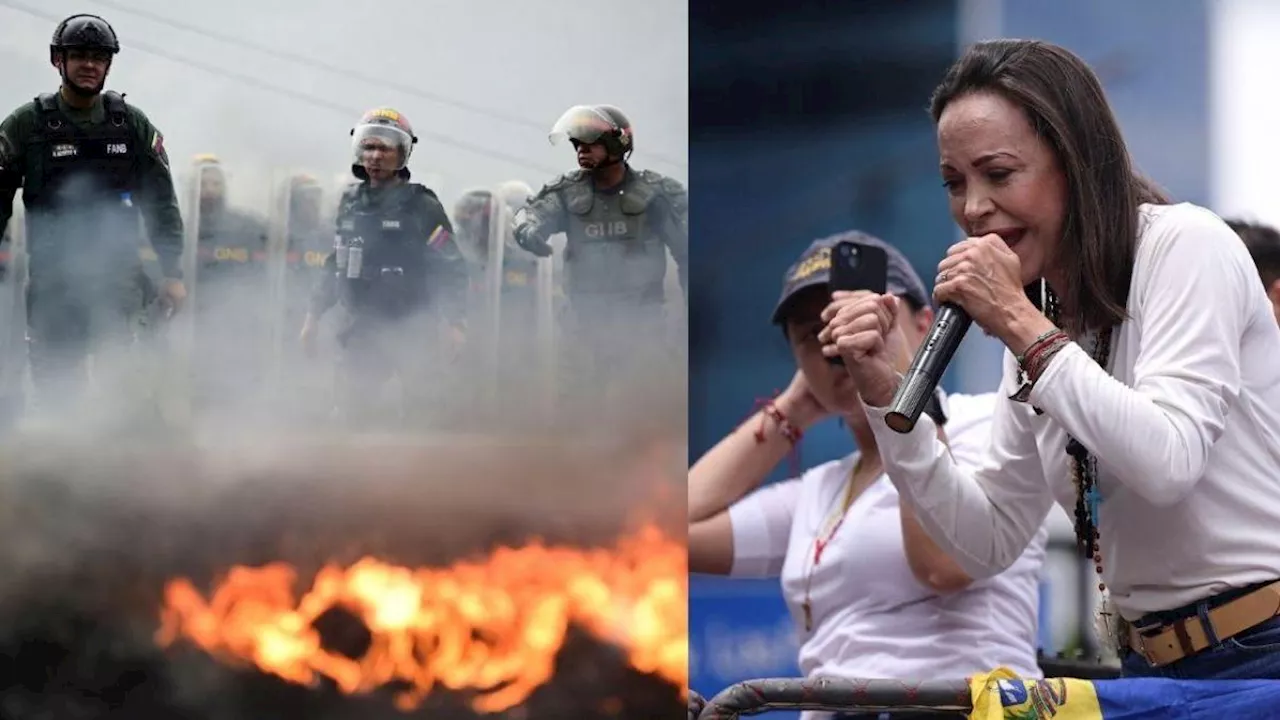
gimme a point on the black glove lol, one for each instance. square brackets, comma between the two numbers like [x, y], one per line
[541, 248]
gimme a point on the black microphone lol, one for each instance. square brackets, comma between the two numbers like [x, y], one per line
[920, 383]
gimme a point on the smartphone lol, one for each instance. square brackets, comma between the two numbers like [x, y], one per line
[859, 267]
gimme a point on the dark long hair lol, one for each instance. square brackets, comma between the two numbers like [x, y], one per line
[1066, 106]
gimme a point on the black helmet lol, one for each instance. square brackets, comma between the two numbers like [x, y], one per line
[626, 138]
[604, 124]
[84, 32]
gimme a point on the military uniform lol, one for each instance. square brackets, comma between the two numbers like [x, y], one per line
[409, 278]
[615, 260]
[87, 178]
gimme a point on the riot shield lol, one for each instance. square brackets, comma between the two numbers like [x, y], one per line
[278, 262]
[13, 313]
[491, 325]
[546, 337]
[511, 344]
[299, 239]
[179, 330]
[220, 337]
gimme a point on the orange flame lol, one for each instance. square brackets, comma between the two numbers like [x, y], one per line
[494, 626]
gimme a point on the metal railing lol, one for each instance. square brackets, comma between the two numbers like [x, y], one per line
[941, 697]
[752, 697]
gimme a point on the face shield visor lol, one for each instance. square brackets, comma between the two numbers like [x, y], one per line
[581, 124]
[380, 147]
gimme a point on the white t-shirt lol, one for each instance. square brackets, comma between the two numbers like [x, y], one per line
[1185, 429]
[871, 617]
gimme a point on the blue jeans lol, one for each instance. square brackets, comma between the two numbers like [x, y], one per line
[1252, 655]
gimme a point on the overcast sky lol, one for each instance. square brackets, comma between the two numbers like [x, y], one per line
[524, 60]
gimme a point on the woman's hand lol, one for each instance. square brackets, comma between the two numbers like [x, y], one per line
[799, 404]
[862, 329]
[984, 277]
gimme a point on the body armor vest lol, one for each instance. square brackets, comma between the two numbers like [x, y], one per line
[390, 274]
[68, 163]
[611, 248]
[78, 184]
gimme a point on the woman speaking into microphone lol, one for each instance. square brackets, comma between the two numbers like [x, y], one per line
[1142, 378]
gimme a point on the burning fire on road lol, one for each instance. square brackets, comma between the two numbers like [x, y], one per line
[342, 579]
[493, 626]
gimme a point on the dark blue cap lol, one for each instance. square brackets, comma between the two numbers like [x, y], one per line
[813, 269]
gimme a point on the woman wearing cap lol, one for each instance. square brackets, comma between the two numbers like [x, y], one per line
[1144, 396]
[871, 595]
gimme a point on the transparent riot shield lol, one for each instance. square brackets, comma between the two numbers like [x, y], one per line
[546, 337]
[179, 329]
[299, 239]
[277, 286]
[676, 309]
[501, 335]
[13, 313]
[491, 318]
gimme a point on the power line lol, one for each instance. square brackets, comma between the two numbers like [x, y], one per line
[339, 70]
[346, 110]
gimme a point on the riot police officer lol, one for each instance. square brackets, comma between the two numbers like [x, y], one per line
[395, 268]
[90, 166]
[619, 223]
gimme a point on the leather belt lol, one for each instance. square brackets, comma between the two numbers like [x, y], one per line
[1165, 644]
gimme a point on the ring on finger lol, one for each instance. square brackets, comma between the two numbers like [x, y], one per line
[942, 276]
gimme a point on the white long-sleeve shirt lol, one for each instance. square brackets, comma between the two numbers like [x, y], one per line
[1185, 430]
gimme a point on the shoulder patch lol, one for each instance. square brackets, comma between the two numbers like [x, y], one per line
[157, 147]
[439, 238]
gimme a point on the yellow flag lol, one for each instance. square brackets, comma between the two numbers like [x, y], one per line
[1002, 695]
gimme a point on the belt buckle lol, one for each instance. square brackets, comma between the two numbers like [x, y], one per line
[1147, 654]
[1137, 636]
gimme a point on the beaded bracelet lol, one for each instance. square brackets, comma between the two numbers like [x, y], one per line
[785, 428]
[1037, 363]
[1035, 346]
[1032, 362]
